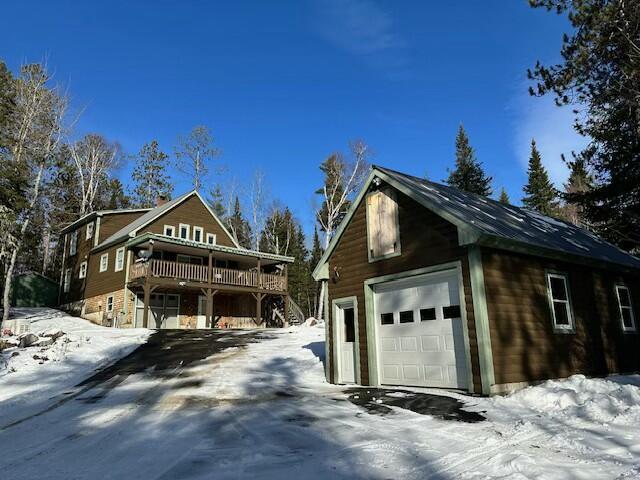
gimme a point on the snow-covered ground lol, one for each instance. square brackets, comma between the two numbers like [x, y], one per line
[265, 411]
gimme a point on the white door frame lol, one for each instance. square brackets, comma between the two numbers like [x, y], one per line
[371, 319]
[339, 304]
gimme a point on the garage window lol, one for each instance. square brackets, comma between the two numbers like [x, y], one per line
[452, 311]
[383, 233]
[406, 317]
[427, 314]
[386, 319]
[625, 308]
[558, 291]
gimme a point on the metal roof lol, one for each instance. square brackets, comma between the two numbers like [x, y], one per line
[100, 213]
[514, 224]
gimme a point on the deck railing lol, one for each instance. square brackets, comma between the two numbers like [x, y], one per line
[200, 273]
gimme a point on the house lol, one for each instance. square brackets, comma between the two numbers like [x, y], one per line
[172, 266]
[435, 287]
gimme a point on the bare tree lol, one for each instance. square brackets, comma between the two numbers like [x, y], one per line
[194, 153]
[94, 157]
[343, 177]
[278, 229]
[258, 201]
[36, 133]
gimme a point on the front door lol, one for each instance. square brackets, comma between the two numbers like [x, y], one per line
[347, 344]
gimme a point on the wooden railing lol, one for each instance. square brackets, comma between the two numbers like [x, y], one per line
[199, 273]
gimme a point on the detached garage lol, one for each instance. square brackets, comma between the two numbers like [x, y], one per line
[429, 286]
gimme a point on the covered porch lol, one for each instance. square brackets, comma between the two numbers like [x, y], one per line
[180, 283]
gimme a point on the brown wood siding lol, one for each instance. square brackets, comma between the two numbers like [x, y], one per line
[525, 346]
[73, 262]
[425, 239]
[112, 222]
[194, 213]
[99, 283]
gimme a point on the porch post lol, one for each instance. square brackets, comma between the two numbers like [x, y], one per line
[258, 309]
[209, 313]
[147, 290]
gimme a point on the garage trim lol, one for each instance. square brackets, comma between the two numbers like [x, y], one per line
[372, 350]
[335, 304]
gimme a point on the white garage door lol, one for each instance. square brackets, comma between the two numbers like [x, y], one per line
[419, 332]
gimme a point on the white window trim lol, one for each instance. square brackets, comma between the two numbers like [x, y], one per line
[106, 307]
[213, 237]
[201, 230]
[73, 243]
[121, 266]
[89, 234]
[104, 265]
[172, 228]
[392, 194]
[82, 273]
[570, 328]
[632, 328]
[67, 280]
[188, 227]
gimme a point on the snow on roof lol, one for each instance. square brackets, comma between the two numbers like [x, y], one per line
[514, 223]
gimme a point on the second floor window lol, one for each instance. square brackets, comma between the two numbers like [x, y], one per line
[119, 259]
[73, 243]
[89, 230]
[383, 233]
[197, 234]
[83, 270]
[104, 262]
[558, 291]
[625, 308]
[211, 238]
[67, 280]
[184, 231]
[170, 230]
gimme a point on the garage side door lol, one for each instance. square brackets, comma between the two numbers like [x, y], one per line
[419, 334]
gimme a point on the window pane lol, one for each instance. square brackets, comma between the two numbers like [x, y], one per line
[452, 311]
[558, 289]
[427, 314]
[349, 325]
[406, 317]
[623, 294]
[386, 319]
[626, 318]
[560, 309]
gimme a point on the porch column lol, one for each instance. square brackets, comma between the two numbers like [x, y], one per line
[147, 289]
[210, 294]
[258, 308]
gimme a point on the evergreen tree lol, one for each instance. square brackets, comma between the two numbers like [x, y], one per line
[504, 197]
[313, 287]
[299, 269]
[540, 195]
[216, 200]
[150, 176]
[578, 183]
[599, 76]
[239, 226]
[468, 174]
[114, 197]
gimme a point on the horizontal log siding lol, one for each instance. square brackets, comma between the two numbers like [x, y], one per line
[425, 239]
[525, 347]
[76, 289]
[99, 283]
[110, 223]
[193, 213]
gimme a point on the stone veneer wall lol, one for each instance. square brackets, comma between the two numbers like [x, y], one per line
[94, 307]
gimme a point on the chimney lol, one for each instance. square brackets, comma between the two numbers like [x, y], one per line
[161, 200]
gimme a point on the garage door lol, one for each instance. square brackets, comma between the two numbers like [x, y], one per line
[419, 334]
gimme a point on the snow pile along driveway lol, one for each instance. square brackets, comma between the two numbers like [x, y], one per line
[30, 376]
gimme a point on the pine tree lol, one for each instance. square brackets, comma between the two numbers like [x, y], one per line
[578, 183]
[150, 176]
[468, 174]
[312, 286]
[540, 194]
[239, 226]
[113, 196]
[504, 197]
[216, 200]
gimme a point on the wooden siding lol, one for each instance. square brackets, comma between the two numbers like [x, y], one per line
[194, 213]
[76, 290]
[525, 346]
[98, 282]
[112, 222]
[425, 239]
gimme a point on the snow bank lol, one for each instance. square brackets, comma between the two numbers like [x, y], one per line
[590, 399]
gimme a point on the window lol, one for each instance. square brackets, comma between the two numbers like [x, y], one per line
[67, 280]
[83, 270]
[104, 262]
[189, 259]
[349, 325]
[89, 231]
[452, 311]
[211, 238]
[386, 319]
[198, 234]
[110, 303]
[184, 231]
[119, 259]
[406, 317]
[558, 291]
[427, 314]
[170, 230]
[73, 246]
[626, 308]
[383, 234]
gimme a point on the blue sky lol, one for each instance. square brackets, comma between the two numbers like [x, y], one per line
[283, 84]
